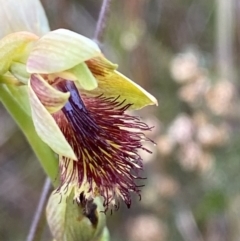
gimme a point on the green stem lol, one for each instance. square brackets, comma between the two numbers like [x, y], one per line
[44, 154]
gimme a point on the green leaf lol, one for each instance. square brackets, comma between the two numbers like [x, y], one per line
[45, 155]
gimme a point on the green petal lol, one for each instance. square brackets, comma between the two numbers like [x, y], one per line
[60, 50]
[18, 70]
[47, 128]
[14, 47]
[9, 79]
[105, 235]
[111, 83]
[67, 221]
[24, 15]
[84, 76]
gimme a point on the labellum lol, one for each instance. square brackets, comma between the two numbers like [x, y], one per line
[103, 137]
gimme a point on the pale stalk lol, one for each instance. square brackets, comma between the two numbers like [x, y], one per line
[39, 220]
[101, 23]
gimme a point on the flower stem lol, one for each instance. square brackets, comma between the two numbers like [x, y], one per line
[39, 219]
[101, 23]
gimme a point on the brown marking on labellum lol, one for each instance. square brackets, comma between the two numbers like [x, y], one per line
[89, 209]
[97, 67]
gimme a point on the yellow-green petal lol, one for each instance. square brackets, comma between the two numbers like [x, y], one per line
[14, 47]
[23, 15]
[67, 221]
[111, 83]
[47, 128]
[84, 76]
[60, 50]
[105, 235]
[80, 74]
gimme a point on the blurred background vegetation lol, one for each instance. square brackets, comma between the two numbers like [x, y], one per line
[186, 54]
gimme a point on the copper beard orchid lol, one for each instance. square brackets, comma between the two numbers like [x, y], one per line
[102, 139]
[78, 105]
[105, 140]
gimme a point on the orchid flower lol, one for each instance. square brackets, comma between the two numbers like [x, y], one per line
[79, 103]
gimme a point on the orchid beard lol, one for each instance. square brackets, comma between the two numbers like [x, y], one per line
[105, 141]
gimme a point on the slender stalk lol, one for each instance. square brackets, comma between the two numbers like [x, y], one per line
[225, 30]
[39, 220]
[101, 23]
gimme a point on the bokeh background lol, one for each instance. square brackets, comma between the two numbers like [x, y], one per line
[186, 53]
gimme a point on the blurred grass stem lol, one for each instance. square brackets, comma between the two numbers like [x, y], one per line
[101, 23]
[187, 225]
[225, 26]
[39, 220]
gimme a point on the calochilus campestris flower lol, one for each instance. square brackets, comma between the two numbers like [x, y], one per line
[79, 104]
